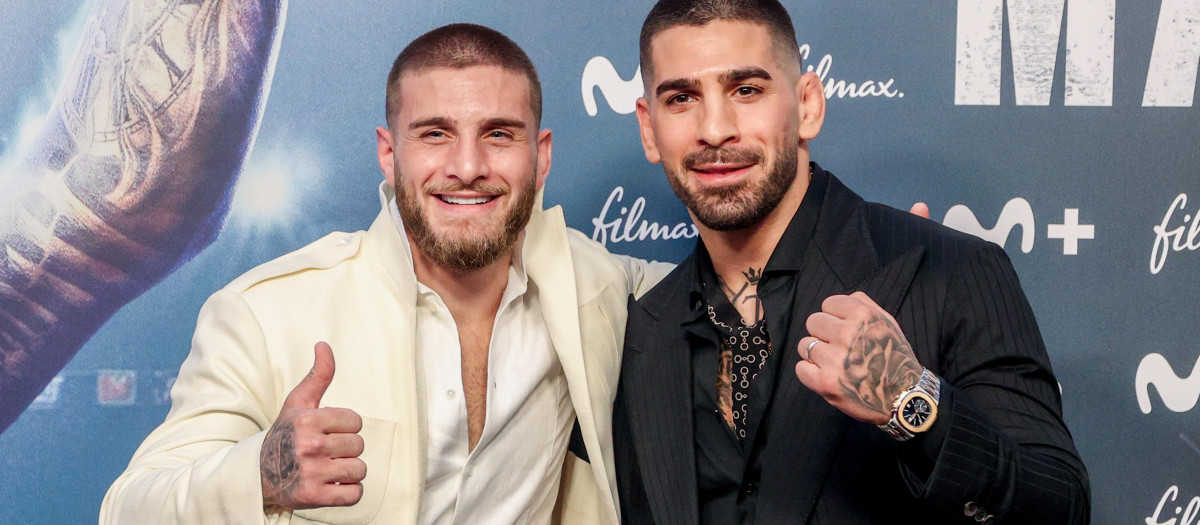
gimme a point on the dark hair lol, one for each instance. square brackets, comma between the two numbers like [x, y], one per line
[461, 46]
[673, 13]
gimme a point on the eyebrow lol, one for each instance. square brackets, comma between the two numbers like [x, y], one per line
[437, 122]
[745, 73]
[728, 77]
[677, 84]
[443, 122]
[501, 122]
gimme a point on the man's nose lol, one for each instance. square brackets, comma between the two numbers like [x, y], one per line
[469, 162]
[718, 123]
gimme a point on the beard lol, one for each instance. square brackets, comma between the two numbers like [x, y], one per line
[466, 245]
[735, 206]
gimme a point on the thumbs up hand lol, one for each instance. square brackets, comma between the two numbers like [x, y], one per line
[309, 457]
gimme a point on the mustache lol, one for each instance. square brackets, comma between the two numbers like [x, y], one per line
[723, 155]
[477, 187]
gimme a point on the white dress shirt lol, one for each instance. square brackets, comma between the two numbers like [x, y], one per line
[513, 474]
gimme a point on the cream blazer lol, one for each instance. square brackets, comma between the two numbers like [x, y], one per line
[253, 343]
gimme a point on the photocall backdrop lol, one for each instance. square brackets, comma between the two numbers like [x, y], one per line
[1066, 131]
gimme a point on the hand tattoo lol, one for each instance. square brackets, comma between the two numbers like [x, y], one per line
[879, 365]
[725, 385]
[277, 465]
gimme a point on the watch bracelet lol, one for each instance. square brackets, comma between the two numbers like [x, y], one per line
[927, 382]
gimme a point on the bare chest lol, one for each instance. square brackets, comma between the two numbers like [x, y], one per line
[475, 340]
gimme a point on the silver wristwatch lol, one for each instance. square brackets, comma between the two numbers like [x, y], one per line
[915, 409]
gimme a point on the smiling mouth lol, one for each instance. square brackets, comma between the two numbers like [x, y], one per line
[720, 169]
[450, 199]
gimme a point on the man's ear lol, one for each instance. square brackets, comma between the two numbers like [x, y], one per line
[811, 95]
[647, 131]
[545, 150]
[387, 154]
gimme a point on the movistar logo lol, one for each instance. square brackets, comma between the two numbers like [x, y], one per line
[621, 94]
[1179, 394]
[1016, 213]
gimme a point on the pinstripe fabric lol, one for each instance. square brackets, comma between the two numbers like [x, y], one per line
[1000, 442]
[664, 404]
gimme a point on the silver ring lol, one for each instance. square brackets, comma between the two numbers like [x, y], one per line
[808, 353]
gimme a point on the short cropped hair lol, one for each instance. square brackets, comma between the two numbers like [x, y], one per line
[667, 14]
[459, 46]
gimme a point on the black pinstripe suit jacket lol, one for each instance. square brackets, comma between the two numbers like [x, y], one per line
[999, 446]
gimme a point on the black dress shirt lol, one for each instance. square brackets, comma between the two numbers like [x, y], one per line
[728, 468]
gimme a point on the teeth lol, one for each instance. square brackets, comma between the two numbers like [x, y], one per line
[464, 200]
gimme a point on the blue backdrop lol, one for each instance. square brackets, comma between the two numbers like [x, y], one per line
[1065, 131]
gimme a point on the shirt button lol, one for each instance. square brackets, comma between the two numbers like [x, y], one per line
[346, 240]
[450, 394]
[470, 472]
[749, 489]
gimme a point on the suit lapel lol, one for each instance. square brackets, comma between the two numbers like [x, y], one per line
[806, 431]
[890, 285]
[409, 443]
[658, 375]
[548, 262]
[843, 235]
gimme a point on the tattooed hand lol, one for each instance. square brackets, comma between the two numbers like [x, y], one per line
[861, 361]
[310, 456]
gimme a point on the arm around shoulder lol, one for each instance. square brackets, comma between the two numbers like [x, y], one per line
[201, 465]
[643, 275]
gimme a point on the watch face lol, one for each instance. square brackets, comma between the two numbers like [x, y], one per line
[918, 412]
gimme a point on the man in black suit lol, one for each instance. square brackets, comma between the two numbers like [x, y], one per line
[818, 358]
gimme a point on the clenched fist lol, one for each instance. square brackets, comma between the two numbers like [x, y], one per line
[309, 458]
[857, 358]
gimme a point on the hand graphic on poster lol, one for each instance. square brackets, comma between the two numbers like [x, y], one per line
[131, 174]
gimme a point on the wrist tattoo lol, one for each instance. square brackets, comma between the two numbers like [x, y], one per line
[277, 463]
[879, 366]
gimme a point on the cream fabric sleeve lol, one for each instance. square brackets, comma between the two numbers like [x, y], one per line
[201, 464]
[643, 274]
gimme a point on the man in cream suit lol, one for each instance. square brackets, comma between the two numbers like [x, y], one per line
[470, 328]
